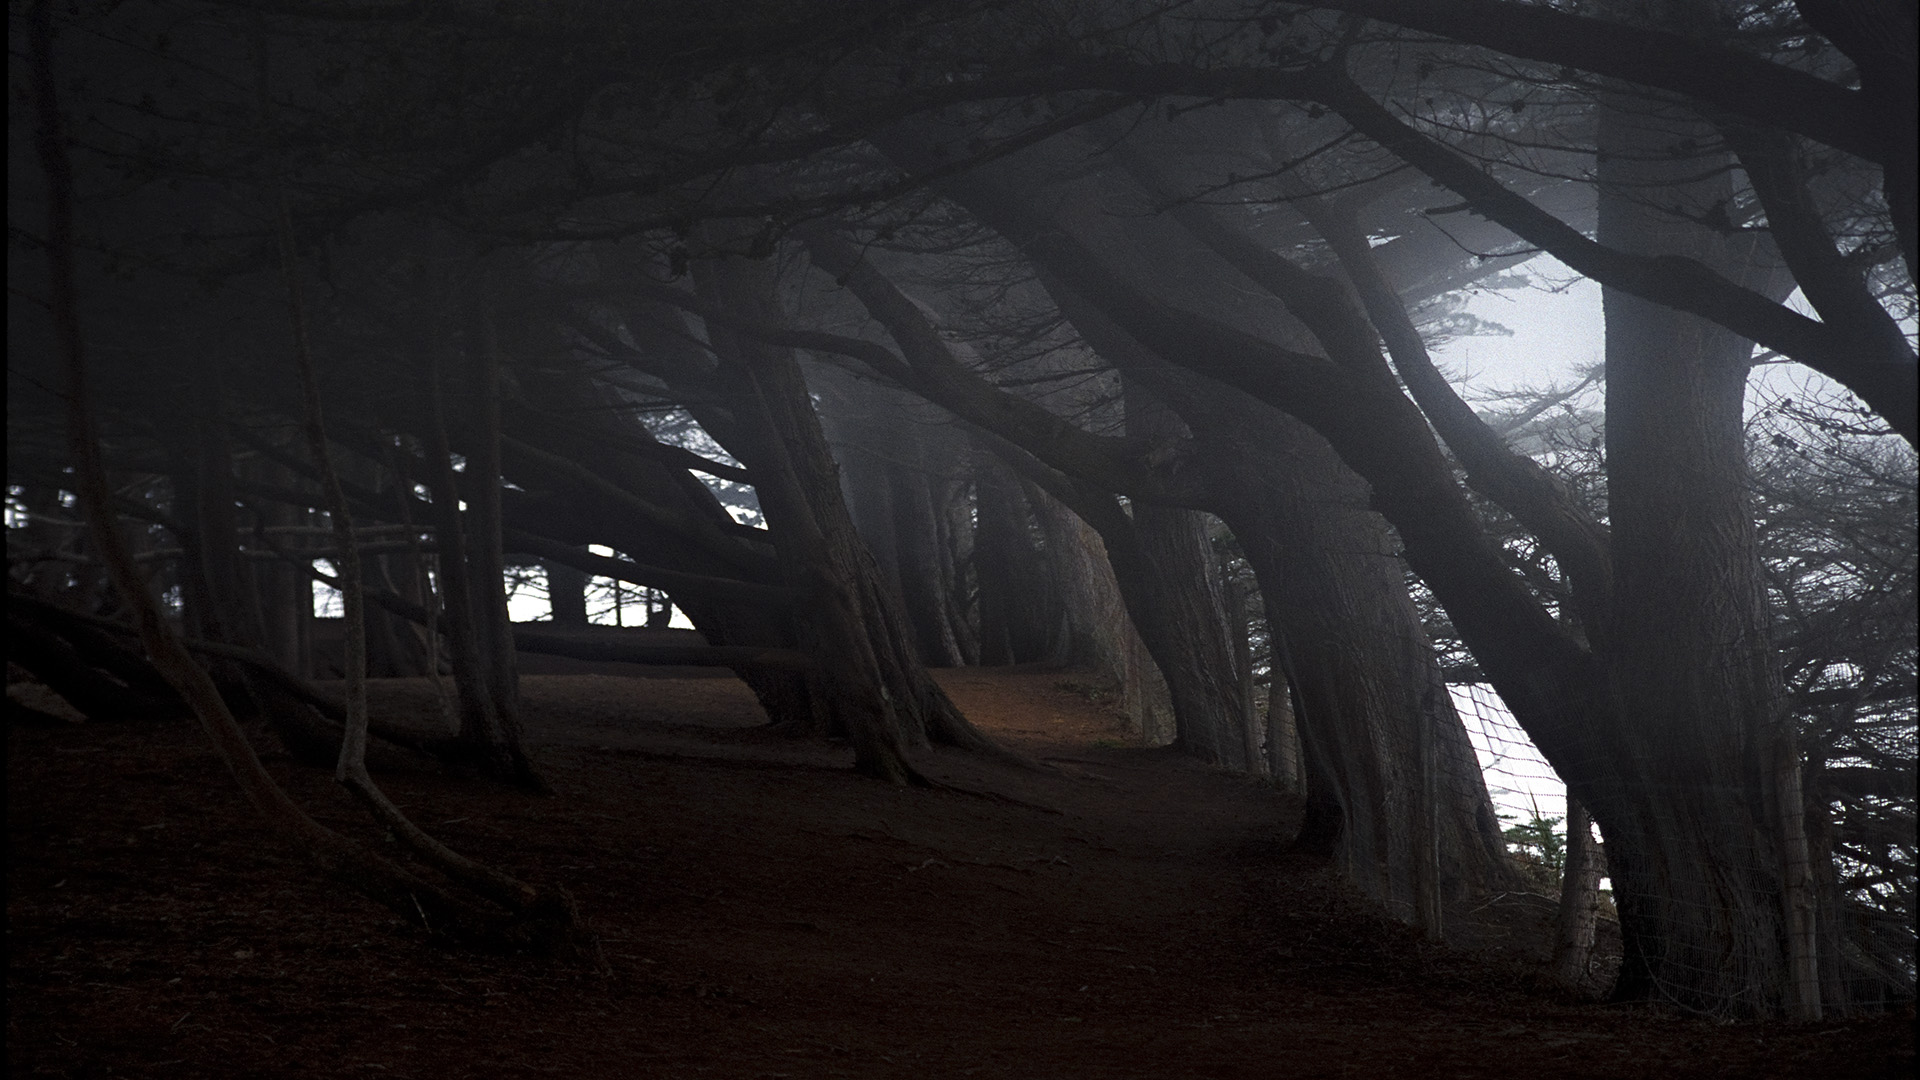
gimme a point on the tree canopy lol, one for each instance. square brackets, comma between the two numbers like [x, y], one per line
[882, 335]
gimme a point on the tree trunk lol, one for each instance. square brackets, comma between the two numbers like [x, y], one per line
[1181, 582]
[1573, 925]
[581, 515]
[1283, 730]
[1019, 620]
[566, 593]
[924, 588]
[502, 743]
[1100, 634]
[1348, 640]
[281, 594]
[475, 705]
[1691, 810]
[218, 607]
[1239, 632]
[890, 444]
[866, 674]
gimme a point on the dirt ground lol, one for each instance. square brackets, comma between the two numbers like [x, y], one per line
[769, 914]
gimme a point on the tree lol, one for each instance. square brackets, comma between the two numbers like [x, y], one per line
[1257, 321]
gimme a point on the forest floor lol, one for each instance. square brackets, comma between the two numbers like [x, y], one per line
[767, 913]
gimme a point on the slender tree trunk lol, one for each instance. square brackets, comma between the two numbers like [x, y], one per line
[282, 595]
[474, 596]
[218, 603]
[547, 916]
[1573, 927]
[403, 893]
[889, 445]
[505, 743]
[475, 705]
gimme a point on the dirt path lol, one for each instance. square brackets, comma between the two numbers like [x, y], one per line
[1128, 914]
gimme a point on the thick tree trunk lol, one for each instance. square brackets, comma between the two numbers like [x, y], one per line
[1690, 810]
[1189, 624]
[1100, 634]
[1347, 640]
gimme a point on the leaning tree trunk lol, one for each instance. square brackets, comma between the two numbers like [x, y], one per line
[866, 673]
[925, 576]
[1347, 637]
[1347, 640]
[566, 593]
[890, 443]
[580, 506]
[1574, 923]
[1698, 840]
[1197, 656]
[1160, 560]
[1099, 634]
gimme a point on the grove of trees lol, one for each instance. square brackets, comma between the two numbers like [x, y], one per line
[895, 335]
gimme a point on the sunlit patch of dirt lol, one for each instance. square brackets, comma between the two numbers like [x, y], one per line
[1124, 912]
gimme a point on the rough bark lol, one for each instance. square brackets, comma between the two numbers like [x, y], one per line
[1182, 582]
[1574, 921]
[894, 452]
[1349, 642]
[1353, 407]
[1099, 635]
[1694, 843]
[866, 674]
[1239, 633]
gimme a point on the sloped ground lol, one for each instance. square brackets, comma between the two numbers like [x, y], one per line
[768, 914]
